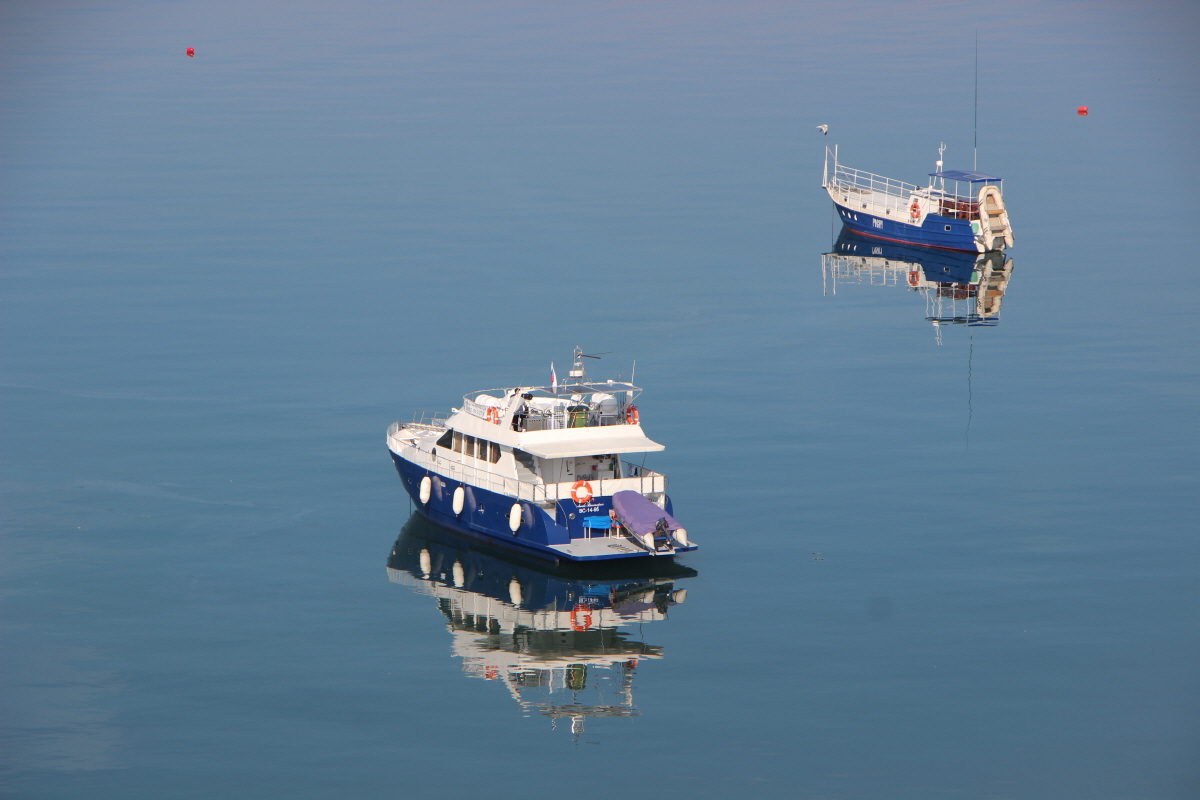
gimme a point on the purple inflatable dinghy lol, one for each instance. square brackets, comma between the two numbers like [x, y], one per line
[642, 518]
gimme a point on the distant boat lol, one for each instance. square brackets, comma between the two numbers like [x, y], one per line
[946, 277]
[957, 210]
[538, 469]
[550, 635]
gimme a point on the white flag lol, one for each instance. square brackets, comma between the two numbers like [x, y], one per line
[553, 380]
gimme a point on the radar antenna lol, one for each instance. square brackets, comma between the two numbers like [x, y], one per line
[577, 370]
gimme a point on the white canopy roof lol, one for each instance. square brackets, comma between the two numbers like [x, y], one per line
[588, 442]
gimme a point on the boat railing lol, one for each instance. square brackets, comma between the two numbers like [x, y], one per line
[429, 419]
[859, 182]
[642, 480]
[579, 415]
[873, 270]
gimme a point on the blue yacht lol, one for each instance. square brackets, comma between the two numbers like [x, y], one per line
[539, 469]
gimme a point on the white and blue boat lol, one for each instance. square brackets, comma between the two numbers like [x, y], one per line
[957, 210]
[539, 469]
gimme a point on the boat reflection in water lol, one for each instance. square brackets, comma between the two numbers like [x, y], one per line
[551, 635]
[959, 288]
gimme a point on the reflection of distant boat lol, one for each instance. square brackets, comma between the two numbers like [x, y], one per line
[548, 634]
[967, 215]
[959, 287]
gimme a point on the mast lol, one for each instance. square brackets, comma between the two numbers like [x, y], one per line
[577, 371]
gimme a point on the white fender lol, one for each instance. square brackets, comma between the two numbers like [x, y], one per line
[457, 502]
[457, 571]
[426, 489]
[425, 563]
[514, 517]
[514, 592]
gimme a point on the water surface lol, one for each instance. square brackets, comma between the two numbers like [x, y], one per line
[962, 567]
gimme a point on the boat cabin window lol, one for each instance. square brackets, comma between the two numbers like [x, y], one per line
[470, 446]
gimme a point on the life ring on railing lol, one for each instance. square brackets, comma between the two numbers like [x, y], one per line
[914, 279]
[493, 415]
[581, 492]
[586, 613]
[631, 415]
[915, 210]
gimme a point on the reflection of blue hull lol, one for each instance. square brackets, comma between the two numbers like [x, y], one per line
[942, 266]
[935, 231]
[490, 573]
[485, 516]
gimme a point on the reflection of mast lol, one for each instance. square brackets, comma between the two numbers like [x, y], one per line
[547, 634]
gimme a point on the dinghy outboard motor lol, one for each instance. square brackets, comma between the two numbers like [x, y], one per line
[662, 535]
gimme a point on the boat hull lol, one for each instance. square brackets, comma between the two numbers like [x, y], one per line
[945, 233]
[485, 516]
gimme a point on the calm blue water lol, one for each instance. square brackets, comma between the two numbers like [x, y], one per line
[956, 569]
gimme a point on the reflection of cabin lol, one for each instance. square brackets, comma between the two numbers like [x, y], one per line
[547, 637]
[539, 653]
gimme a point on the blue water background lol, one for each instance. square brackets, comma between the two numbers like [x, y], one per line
[224, 276]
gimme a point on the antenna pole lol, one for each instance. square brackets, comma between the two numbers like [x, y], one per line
[975, 164]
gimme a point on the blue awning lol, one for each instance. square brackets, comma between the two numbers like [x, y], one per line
[958, 175]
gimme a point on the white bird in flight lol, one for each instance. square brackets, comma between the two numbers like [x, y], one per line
[824, 129]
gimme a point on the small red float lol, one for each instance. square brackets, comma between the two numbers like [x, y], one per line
[191, 52]
[1083, 111]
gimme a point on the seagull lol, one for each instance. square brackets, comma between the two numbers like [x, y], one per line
[824, 129]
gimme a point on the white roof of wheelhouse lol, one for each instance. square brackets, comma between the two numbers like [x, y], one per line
[587, 442]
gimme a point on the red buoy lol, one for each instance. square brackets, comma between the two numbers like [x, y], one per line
[1083, 111]
[192, 54]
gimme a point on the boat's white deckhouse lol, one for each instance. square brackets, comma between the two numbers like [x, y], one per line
[541, 465]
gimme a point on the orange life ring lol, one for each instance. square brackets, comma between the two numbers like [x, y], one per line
[587, 617]
[493, 415]
[631, 415]
[914, 279]
[581, 492]
[915, 210]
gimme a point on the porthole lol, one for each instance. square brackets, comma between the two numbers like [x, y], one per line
[947, 227]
